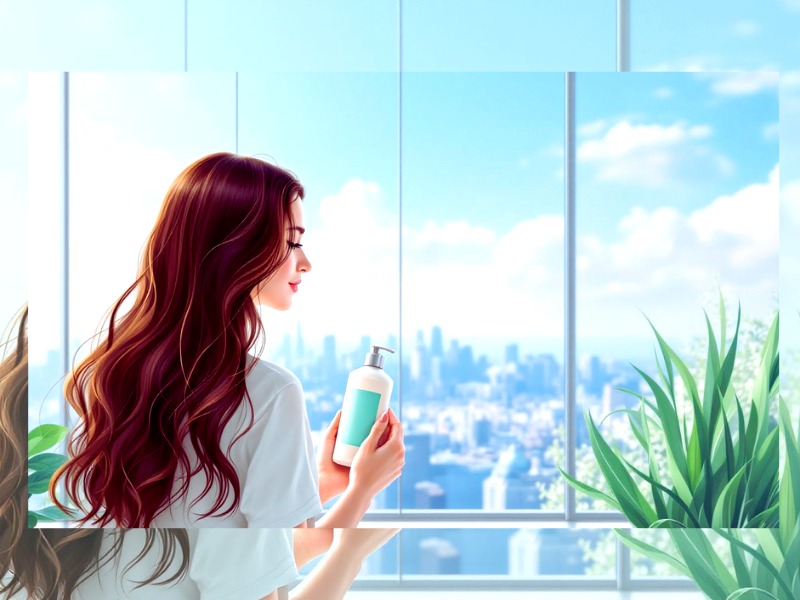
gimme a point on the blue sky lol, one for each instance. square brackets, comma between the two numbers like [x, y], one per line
[729, 34]
[339, 133]
[482, 189]
[362, 35]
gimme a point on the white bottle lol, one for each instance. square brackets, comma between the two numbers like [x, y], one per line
[365, 399]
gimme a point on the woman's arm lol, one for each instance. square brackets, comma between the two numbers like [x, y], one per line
[348, 510]
[375, 466]
[310, 543]
[331, 579]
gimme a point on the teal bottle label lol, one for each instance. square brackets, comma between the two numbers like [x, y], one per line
[358, 419]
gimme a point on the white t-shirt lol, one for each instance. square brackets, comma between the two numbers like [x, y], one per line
[275, 460]
[224, 564]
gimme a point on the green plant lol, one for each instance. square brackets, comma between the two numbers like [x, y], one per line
[722, 468]
[770, 568]
[41, 467]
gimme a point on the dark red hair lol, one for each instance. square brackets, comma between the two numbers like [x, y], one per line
[174, 365]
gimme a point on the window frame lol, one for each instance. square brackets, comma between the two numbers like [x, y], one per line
[622, 579]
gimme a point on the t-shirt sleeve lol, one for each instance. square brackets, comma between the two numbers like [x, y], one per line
[281, 488]
[245, 564]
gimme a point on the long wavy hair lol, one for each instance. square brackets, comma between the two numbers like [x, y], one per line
[51, 563]
[174, 365]
[13, 422]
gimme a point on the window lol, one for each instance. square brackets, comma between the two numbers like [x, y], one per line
[397, 153]
[13, 186]
[92, 36]
[482, 289]
[677, 191]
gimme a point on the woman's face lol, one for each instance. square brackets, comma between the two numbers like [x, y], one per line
[276, 292]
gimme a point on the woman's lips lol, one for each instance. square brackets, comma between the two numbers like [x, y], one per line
[293, 286]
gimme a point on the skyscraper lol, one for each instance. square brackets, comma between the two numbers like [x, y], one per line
[437, 347]
[511, 485]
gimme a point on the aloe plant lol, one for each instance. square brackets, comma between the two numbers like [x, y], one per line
[770, 568]
[41, 467]
[721, 468]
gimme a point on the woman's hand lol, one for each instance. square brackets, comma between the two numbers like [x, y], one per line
[333, 478]
[360, 543]
[377, 465]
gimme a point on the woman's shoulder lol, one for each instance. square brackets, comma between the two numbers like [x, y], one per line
[267, 379]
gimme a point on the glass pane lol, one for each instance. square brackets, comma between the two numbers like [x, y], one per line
[13, 190]
[715, 35]
[130, 136]
[85, 35]
[294, 35]
[508, 553]
[790, 241]
[644, 567]
[482, 290]
[44, 141]
[338, 134]
[523, 35]
[676, 193]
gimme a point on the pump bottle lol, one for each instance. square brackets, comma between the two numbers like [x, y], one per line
[365, 399]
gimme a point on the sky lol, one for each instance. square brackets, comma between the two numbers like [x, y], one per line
[482, 188]
[347, 114]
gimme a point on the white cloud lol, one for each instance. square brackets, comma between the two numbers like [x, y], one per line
[790, 79]
[693, 65]
[771, 131]
[790, 200]
[663, 93]
[750, 214]
[555, 150]
[741, 83]
[650, 155]
[664, 261]
[746, 28]
[593, 128]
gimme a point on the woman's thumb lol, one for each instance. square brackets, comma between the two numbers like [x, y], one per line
[377, 430]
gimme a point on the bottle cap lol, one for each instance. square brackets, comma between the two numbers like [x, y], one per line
[375, 358]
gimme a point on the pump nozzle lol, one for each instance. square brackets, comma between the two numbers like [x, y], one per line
[375, 358]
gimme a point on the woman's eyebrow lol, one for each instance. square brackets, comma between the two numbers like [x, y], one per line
[300, 229]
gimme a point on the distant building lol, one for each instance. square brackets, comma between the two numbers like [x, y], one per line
[418, 458]
[512, 353]
[524, 553]
[429, 495]
[511, 485]
[437, 347]
[438, 557]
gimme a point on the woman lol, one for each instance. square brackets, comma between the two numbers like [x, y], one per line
[179, 424]
[175, 564]
[183, 564]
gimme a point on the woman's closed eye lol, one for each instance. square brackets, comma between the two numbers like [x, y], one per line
[293, 245]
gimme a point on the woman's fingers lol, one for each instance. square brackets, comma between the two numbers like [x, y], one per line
[333, 428]
[377, 430]
[396, 434]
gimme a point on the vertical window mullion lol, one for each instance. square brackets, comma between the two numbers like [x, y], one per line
[623, 35]
[569, 292]
[65, 334]
[623, 566]
[236, 117]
